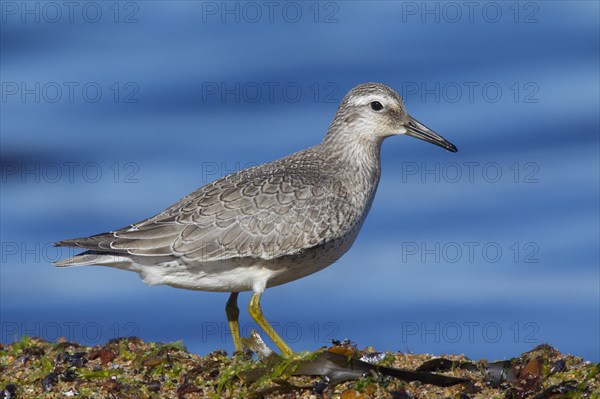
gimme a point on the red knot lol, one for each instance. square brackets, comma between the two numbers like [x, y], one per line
[269, 224]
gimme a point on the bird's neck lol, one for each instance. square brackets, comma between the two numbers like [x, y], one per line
[358, 160]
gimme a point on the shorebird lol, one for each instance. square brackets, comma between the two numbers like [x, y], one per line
[269, 224]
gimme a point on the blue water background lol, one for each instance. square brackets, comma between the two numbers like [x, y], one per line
[185, 98]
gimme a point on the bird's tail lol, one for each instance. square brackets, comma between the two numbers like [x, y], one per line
[98, 252]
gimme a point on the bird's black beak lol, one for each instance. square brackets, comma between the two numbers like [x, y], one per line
[416, 129]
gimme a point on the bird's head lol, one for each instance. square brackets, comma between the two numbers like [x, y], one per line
[373, 111]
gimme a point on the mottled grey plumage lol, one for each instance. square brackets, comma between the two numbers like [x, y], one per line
[268, 211]
[272, 223]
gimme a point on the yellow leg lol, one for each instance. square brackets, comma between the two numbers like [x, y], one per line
[233, 312]
[256, 313]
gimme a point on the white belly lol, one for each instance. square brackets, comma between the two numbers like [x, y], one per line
[237, 275]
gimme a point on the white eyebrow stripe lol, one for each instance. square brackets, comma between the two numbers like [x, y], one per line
[364, 100]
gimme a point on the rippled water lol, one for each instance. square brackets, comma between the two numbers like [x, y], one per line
[111, 113]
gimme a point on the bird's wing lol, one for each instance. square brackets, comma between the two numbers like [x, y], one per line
[260, 215]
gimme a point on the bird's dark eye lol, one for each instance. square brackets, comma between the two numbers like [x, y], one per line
[376, 106]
